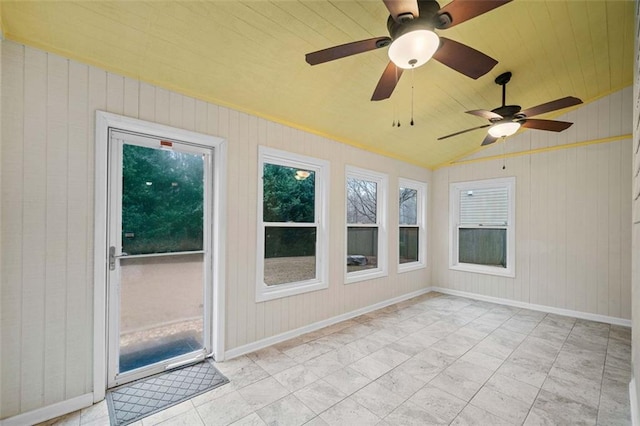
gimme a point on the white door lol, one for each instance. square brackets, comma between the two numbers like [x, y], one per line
[159, 272]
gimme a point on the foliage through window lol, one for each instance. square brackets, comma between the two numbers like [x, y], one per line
[291, 233]
[483, 237]
[365, 224]
[411, 232]
[162, 201]
[288, 200]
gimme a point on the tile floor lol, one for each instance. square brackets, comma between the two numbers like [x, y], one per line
[435, 359]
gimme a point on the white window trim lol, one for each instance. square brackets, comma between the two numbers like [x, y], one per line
[454, 213]
[421, 203]
[382, 182]
[321, 169]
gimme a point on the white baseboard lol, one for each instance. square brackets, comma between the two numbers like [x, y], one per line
[633, 400]
[534, 307]
[50, 411]
[263, 343]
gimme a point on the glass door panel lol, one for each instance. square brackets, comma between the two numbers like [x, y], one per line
[159, 263]
[161, 309]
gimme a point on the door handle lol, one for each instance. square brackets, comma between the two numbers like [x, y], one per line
[112, 258]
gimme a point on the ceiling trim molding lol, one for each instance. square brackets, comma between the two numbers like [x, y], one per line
[538, 150]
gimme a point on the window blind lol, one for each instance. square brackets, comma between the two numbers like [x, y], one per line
[486, 206]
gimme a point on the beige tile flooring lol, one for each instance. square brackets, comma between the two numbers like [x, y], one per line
[435, 359]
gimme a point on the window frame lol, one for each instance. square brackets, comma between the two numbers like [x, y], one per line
[321, 168]
[421, 214]
[454, 214]
[382, 188]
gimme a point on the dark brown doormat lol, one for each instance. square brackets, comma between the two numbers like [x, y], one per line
[133, 401]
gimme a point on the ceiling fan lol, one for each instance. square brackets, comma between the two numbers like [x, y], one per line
[507, 119]
[413, 41]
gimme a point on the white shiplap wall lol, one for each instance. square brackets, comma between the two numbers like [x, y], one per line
[47, 154]
[573, 215]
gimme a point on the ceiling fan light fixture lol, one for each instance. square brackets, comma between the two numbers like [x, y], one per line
[504, 129]
[413, 48]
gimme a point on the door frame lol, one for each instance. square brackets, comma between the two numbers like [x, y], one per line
[104, 122]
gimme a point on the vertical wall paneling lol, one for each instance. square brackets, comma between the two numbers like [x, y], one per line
[56, 227]
[11, 201]
[147, 102]
[634, 219]
[572, 216]
[593, 209]
[581, 214]
[244, 286]
[47, 211]
[162, 106]
[115, 93]
[614, 263]
[603, 194]
[571, 227]
[96, 100]
[200, 116]
[78, 349]
[188, 113]
[175, 109]
[34, 229]
[131, 95]
[249, 243]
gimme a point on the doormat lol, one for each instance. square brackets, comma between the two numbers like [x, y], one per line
[133, 401]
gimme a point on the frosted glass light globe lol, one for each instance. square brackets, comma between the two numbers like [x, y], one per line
[414, 48]
[504, 129]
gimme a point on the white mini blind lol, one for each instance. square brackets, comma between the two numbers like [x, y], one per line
[486, 206]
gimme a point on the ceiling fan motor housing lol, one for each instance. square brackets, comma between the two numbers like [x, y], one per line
[507, 111]
[428, 10]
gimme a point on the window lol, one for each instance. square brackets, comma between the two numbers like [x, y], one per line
[482, 226]
[292, 225]
[366, 225]
[411, 232]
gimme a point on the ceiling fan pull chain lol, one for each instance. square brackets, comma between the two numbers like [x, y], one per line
[395, 115]
[504, 154]
[412, 80]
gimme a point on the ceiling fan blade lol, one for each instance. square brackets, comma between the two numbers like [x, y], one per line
[485, 114]
[463, 10]
[344, 50]
[551, 106]
[463, 58]
[387, 82]
[488, 140]
[400, 7]
[463, 131]
[551, 125]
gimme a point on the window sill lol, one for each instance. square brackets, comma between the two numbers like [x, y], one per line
[482, 269]
[408, 267]
[354, 277]
[264, 292]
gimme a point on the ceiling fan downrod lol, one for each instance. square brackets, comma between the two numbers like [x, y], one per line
[502, 80]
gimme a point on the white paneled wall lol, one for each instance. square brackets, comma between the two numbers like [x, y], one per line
[573, 216]
[635, 197]
[47, 154]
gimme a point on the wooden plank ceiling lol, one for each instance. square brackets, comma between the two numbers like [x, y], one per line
[250, 55]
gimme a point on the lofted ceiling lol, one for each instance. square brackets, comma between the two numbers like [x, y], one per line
[249, 55]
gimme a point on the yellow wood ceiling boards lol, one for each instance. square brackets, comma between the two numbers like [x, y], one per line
[250, 55]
